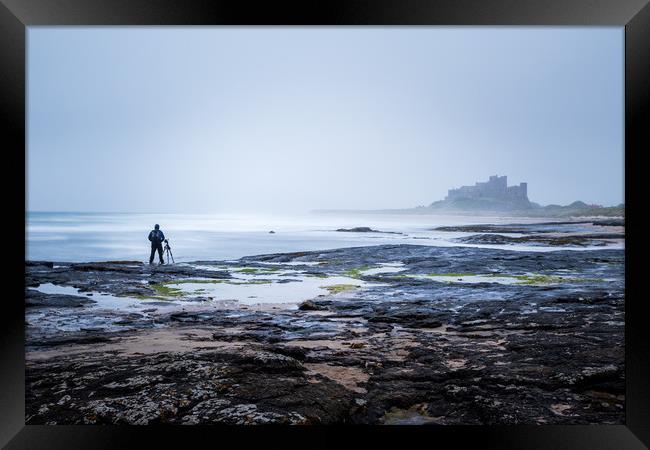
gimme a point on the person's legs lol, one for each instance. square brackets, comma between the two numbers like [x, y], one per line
[153, 252]
[160, 253]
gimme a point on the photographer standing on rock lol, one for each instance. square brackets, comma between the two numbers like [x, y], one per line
[156, 237]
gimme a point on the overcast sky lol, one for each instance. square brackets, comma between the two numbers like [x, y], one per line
[170, 119]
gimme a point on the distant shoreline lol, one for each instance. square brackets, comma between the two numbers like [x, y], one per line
[486, 213]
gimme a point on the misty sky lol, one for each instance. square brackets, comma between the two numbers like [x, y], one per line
[171, 119]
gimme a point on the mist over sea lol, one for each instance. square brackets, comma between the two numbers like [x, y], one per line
[80, 237]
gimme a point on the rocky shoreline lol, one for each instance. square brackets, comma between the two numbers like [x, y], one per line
[576, 233]
[416, 335]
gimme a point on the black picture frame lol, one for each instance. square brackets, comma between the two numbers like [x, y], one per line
[17, 15]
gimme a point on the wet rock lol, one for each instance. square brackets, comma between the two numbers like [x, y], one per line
[487, 228]
[47, 264]
[298, 353]
[249, 414]
[197, 299]
[129, 319]
[189, 316]
[34, 298]
[263, 361]
[400, 350]
[610, 222]
[578, 240]
[79, 338]
[364, 230]
[132, 291]
[185, 389]
[408, 315]
[123, 266]
[309, 305]
[206, 411]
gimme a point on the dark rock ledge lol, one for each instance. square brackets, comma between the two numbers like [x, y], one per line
[404, 349]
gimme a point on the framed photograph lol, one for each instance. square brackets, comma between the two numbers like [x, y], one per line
[376, 217]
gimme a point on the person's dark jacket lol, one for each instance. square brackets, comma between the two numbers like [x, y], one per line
[156, 237]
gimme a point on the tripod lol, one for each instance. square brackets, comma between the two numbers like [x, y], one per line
[168, 251]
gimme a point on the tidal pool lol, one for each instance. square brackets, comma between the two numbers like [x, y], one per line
[384, 268]
[102, 300]
[106, 314]
[258, 289]
[249, 286]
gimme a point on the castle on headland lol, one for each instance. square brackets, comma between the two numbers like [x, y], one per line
[495, 188]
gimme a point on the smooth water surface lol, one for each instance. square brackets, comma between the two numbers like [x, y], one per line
[78, 237]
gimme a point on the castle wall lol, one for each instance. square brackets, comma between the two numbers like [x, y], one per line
[495, 187]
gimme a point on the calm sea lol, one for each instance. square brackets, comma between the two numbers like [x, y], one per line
[76, 237]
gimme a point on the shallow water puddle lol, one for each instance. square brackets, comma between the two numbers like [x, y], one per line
[94, 316]
[253, 290]
[415, 415]
[102, 300]
[384, 268]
